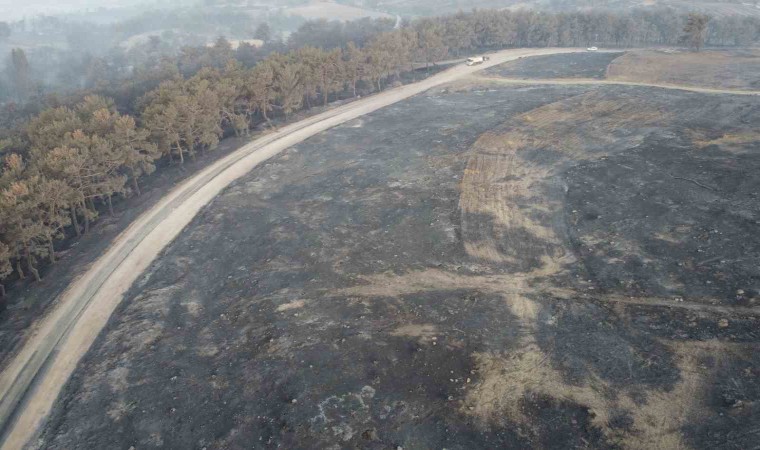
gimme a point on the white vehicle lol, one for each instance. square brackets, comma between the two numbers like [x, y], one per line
[477, 60]
[592, 49]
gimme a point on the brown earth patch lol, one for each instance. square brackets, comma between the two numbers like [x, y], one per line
[718, 69]
[504, 187]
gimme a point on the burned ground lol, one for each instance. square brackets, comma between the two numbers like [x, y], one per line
[472, 268]
[678, 209]
[571, 65]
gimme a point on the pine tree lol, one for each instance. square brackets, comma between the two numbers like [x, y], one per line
[161, 117]
[329, 74]
[260, 89]
[354, 66]
[288, 87]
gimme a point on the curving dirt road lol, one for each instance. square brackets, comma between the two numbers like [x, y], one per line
[587, 82]
[30, 384]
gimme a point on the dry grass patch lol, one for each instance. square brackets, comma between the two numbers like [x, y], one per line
[715, 69]
[735, 142]
[506, 379]
[506, 185]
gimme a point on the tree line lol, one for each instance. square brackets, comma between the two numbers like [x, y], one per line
[489, 29]
[64, 166]
[68, 163]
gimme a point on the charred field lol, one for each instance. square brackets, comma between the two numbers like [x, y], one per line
[477, 267]
[572, 65]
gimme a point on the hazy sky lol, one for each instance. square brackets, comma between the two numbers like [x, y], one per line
[17, 9]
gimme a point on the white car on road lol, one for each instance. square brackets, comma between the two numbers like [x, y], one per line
[592, 49]
[476, 60]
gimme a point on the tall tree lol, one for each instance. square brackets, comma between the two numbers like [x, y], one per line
[287, 85]
[21, 74]
[261, 89]
[161, 116]
[22, 207]
[131, 147]
[329, 74]
[307, 62]
[430, 43]
[263, 32]
[229, 89]
[695, 30]
[201, 116]
[354, 66]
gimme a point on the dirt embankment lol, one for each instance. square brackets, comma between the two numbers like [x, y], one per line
[493, 270]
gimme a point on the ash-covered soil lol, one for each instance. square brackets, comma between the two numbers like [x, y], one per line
[664, 220]
[570, 65]
[531, 267]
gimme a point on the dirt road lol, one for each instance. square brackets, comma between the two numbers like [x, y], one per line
[588, 82]
[30, 384]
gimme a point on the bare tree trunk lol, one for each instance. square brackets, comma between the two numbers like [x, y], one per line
[20, 271]
[181, 154]
[75, 221]
[2, 298]
[30, 263]
[135, 186]
[51, 252]
[110, 206]
[86, 218]
[266, 117]
[353, 87]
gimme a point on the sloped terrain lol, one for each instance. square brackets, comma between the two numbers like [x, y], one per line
[480, 267]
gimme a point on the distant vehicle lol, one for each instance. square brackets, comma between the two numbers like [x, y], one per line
[477, 60]
[592, 49]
